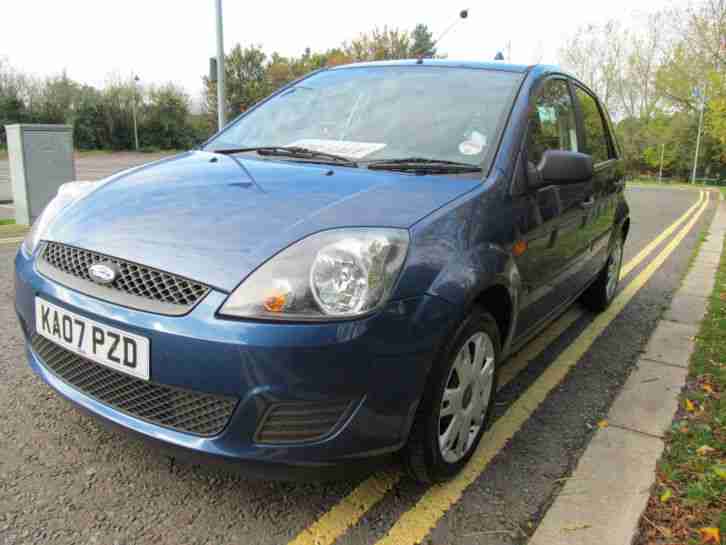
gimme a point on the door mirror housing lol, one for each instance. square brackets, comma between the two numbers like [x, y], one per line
[558, 167]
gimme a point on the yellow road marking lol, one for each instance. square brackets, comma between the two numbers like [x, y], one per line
[534, 348]
[415, 524]
[348, 511]
[660, 238]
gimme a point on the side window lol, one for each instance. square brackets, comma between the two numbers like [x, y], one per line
[551, 121]
[596, 142]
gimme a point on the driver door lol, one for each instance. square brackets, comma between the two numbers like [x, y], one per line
[551, 217]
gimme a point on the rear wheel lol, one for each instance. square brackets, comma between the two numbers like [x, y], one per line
[456, 409]
[601, 293]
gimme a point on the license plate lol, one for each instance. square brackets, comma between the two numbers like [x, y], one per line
[108, 346]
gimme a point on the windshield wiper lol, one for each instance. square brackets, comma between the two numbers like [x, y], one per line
[292, 151]
[422, 164]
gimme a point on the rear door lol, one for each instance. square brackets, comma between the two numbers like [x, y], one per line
[597, 142]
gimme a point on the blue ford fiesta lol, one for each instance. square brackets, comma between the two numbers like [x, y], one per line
[337, 275]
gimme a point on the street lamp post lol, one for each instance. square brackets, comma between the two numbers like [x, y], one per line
[133, 109]
[221, 101]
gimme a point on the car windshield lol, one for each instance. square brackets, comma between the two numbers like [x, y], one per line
[383, 113]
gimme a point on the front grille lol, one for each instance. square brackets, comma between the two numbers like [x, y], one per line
[295, 422]
[133, 279]
[182, 410]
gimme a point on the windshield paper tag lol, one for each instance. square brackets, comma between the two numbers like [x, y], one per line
[346, 148]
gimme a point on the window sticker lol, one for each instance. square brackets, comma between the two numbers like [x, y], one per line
[474, 144]
[547, 114]
[346, 148]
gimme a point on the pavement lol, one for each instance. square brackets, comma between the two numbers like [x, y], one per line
[604, 498]
[66, 479]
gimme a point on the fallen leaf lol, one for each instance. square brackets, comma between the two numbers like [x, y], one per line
[710, 535]
[603, 424]
[688, 404]
[573, 527]
[720, 472]
[707, 388]
[704, 450]
[665, 496]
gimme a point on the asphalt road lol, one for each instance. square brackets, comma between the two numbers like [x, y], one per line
[65, 479]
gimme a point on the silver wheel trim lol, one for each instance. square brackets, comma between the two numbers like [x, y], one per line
[466, 397]
[616, 259]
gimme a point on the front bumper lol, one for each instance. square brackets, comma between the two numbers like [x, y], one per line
[380, 363]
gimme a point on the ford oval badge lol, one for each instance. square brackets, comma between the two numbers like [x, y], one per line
[102, 273]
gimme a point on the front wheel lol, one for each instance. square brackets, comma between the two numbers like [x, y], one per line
[601, 293]
[456, 409]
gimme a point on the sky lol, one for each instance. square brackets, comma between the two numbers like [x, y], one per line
[172, 40]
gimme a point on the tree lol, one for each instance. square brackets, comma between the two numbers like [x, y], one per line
[117, 106]
[715, 117]
[594, 55]
[619, 64]
[423, 42]
[88, 119]
[245, 81]
[58, 99]
[379, 45]
[12, 105]
[648, 74]
[166, 119]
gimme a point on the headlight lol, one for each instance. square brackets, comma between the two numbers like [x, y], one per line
[68, 193]
[334, 274]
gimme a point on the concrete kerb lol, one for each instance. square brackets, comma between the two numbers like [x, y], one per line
[603, 500]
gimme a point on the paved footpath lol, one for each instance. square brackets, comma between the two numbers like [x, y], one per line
[604, 498]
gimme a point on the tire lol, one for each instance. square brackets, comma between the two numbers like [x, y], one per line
[602, 292]
[476, 344]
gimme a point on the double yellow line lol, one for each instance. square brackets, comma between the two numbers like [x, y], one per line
[413, 526]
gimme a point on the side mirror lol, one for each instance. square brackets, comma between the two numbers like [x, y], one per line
[564, 167]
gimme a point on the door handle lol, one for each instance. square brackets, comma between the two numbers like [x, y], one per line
[588, 203]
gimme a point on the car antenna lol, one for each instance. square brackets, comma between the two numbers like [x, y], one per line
[463, 14]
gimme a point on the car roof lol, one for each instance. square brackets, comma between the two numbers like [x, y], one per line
[536, 69]
[448, 63]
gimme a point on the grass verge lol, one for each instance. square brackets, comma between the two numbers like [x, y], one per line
[688, 501]
[7, 222]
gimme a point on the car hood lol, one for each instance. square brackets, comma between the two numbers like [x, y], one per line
[215, 218]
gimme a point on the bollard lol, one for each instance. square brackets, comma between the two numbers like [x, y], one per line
[41, 159]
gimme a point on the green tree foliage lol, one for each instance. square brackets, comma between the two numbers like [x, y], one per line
[166, 118]
[423, 42]
[250, 75]
[88, 119]
[380, 45]
[648, 78]
[12, 105]
[102, 118]
[716, 113]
